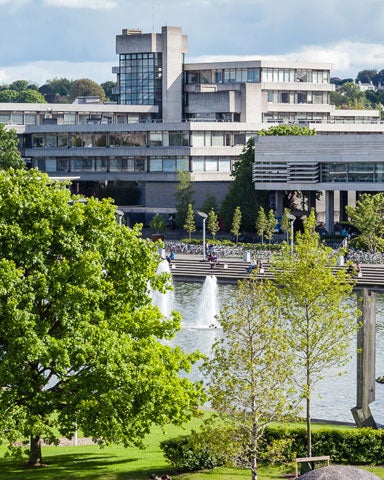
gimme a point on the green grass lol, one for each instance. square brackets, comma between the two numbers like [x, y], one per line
[116, 463]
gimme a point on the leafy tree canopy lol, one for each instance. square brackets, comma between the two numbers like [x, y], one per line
[367, 217]
[80, 341]
[85, 87]
[286, 130]
[9, 152]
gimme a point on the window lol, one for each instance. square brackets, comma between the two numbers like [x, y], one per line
[155, 139]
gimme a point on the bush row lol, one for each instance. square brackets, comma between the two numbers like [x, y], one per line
[345, 446]
[351, 446]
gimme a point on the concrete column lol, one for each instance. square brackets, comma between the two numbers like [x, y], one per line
[343, 204]
[329, 210]
[366, 359]
[279, 203]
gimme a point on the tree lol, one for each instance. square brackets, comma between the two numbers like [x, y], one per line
[236, 223]
[366, 76]
[56, 89]
[8, 96]
[286, 223]
[285, 130]
[158, 223]
[85, 87]
[314, 301]
[250, 374]
[368, 216]
[108, 89]
[241, 192]
[353, 96]
[183, 197]
[80, 341]
[261, 223]
[30, 96]
[189, 225]
[271, 225]
[213, 223]
[19, 85]
[210, 202]
[9, 152]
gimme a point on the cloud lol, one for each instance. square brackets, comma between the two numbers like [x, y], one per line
[87, 4]
[40, 72]
[347, 57]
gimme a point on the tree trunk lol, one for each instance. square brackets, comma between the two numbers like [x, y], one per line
[35, 457]
[309, 432]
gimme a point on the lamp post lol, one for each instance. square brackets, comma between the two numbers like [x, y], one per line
[204, 216]
[292, 218]
[119, 214]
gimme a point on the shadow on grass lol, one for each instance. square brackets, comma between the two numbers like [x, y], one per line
[72, 466]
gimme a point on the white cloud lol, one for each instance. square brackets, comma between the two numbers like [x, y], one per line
[40, 72]
[90, 4]
[348, 58]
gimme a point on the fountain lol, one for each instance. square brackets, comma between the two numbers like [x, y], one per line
[164, 301]
[209, 304]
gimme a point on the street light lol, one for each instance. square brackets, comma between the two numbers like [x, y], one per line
[292, 218]
[204, 216]
[119, 214]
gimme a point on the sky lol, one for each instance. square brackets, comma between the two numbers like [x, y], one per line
[45, 39]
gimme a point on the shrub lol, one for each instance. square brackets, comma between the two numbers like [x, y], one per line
[192, 452]
[348, 446]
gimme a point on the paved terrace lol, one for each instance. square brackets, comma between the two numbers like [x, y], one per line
[192, 268]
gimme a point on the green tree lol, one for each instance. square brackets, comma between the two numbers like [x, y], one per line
[30, 96]
[250, 374]
[314, 301]
[286, 129]
[56, 89]
[9, 152]
[261, 223]
[189, 225]
[19, 85]
[81, 342]
[367, 216]
[158, 223]
[366, 76]
[286, 223]
[210, 202]
[236, 223]
[183, 197]
[271, 225]
[85, 87]
[8, 96]
[108, 89]
[213, 223]
[353, 96]
[242, 192]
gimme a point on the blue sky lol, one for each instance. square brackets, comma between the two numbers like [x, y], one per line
[46, 39]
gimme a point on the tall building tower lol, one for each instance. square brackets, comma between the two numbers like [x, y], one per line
[150, 70]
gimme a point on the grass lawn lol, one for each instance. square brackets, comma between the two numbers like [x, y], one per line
[116, 463]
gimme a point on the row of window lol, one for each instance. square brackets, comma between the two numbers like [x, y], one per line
[352, 172]
[140, 139]
[255, 75]
[60, 118]
[299, 97]
[134, 164]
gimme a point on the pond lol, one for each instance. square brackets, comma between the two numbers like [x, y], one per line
[334, 395]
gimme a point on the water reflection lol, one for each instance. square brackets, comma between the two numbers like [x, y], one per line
[335, 395]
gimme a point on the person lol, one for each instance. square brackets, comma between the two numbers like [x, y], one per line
[213, 259]
[171, 256]
[251, 266]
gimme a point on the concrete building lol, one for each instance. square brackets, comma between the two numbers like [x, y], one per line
[172, 116]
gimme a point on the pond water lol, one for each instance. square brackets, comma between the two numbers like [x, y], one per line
[334, 396]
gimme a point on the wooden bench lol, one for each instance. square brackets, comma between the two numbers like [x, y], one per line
[324, 458]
